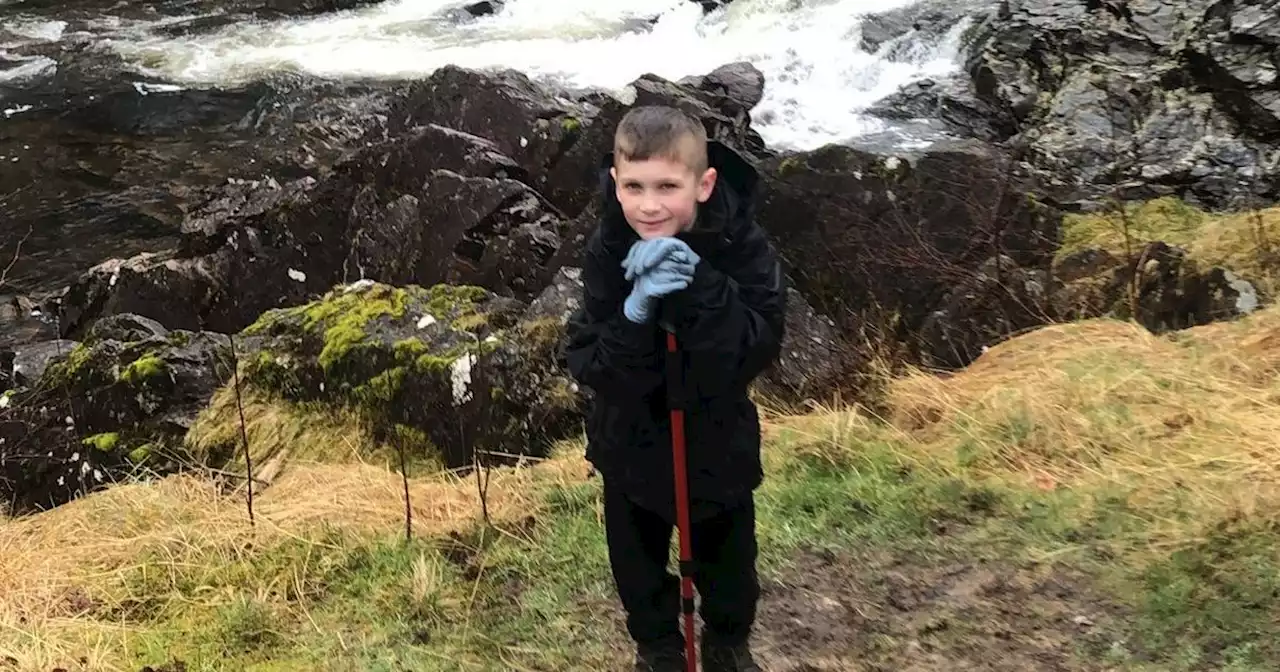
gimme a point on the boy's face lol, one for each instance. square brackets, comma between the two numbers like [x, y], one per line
[660, 196]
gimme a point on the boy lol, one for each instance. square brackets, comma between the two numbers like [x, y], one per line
[677, 242]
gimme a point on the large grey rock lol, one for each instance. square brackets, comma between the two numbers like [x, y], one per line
[1139, 97]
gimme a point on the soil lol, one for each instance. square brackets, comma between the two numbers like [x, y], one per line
[886, 613]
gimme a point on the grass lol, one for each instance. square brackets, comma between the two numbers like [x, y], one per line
[1147, 463]
[281, 432]
[1245, 242]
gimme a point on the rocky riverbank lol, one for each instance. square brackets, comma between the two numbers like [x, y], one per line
[322, 222]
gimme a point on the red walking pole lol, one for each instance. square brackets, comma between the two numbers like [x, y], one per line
[676, 400]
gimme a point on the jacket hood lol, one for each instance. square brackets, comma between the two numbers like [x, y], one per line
[719, 219]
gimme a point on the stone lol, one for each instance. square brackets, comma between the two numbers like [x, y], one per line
[432, 205]
[449, 369]
[101, 409]
[864, 234]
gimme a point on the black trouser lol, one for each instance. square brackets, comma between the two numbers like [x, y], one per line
[724, 557]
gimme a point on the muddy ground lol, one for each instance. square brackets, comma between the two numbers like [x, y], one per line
[881, 613]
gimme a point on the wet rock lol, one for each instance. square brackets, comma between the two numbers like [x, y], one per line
[29, 362]
[863, 233]
[483, 8]
[918, 24]
[119, 401]
[1145, 99]
[709, 6]
[24, 320]
[740, 84]
[949, 101]
[1233, 53]
[106, 163]
[410, 358]
[522, 120]
[436, 205]
[814, 361]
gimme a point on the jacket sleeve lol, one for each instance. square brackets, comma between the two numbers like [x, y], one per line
[605, 351]
[730, 321]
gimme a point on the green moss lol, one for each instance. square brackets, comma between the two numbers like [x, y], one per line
[179, 339]
[787, 166]
[412, 356]
[106, 442]
[542, 334]
[142, 453]
[571, 124]
[66, 370]
[1167, 219]
[270, 372]
[143, 369]
[446, 301]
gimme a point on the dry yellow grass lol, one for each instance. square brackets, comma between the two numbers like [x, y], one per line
[279, 432]
[64, 571]
[1193, 417]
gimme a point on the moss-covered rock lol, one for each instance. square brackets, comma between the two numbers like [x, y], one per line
[439, 369]
[105, 408]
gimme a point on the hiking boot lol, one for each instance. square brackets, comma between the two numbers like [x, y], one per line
[660, 659]
[721, 658]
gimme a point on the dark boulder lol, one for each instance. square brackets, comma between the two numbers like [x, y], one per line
[999, 301]
[1140, 99]
[435, 205]
[105, 163]
[522, 119]
[731, 85]
[866, 234]
[900, 30]
[119, 402]
[949, 102]
[1162, 288]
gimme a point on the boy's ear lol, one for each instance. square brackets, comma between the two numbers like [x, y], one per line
[706, 184]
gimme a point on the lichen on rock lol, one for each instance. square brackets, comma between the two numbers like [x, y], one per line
[104, 408]
[406, 359]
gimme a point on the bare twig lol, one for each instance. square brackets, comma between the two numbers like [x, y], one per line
[404, 479]
[244, 434]
[17, 254]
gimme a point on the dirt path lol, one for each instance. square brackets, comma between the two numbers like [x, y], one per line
[887, 614]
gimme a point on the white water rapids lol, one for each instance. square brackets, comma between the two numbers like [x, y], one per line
[818, 79]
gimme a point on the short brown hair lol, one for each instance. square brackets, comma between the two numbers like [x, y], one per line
[659, 131]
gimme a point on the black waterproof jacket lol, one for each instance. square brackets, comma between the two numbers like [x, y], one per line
[729, 324]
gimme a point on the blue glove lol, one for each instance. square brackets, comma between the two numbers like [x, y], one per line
[669, 276]
[645, 255]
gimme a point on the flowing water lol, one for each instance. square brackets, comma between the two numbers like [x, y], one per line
[818, 78]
